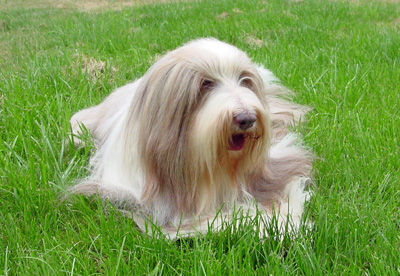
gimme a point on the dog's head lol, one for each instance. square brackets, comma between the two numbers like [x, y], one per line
[199, 115]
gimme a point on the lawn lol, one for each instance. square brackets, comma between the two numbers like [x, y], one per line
[342, 58]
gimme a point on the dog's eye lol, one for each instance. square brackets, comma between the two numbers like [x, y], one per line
[206, 85]
[246, 82]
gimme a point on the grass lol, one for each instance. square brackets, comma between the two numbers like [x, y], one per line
[341, 57]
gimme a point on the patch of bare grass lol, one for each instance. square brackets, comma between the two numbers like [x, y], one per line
[361, 2]
[81, 5]
[92, 68]
[226, 14]
[255, 42]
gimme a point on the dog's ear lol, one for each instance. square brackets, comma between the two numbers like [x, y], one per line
[159, 124]
[283, 113]
[272, 85]
[267, 76]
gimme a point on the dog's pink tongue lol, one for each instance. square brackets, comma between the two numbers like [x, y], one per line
[237, 142]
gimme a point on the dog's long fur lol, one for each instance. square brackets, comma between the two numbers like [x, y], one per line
[166, 142]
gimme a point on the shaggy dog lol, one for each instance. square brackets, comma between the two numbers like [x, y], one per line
[203, 132]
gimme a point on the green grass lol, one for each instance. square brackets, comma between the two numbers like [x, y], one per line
[341, 58]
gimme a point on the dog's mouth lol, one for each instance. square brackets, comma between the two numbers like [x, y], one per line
[238, 141]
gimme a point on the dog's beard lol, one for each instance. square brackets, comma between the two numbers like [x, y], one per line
[220, 155]
[216, 137]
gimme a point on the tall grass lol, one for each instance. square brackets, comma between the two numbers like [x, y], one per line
[341, 58]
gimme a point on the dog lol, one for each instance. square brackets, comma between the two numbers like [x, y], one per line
[203, 132]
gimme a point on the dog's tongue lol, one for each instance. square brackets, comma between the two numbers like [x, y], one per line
[237, 142]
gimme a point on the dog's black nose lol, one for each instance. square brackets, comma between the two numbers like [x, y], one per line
[245, 120]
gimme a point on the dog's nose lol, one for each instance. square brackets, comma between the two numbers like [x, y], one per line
[245, 120]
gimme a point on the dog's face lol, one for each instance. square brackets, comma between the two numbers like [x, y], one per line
[200, 112]
[230, 127]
